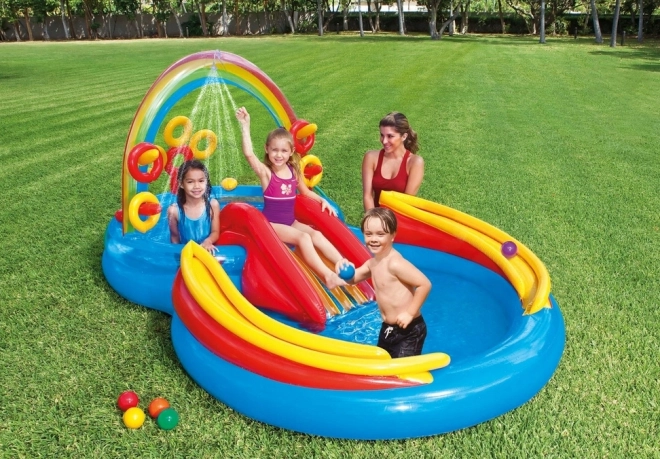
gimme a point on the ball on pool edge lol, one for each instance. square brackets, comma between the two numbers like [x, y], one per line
[229, 183]
[509, 249]
[127, 399]
[168, 419]
[157, 405]
[347, 272]
[134, 418]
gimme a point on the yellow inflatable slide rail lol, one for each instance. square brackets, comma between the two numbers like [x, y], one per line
[212, 288]
[525, 271]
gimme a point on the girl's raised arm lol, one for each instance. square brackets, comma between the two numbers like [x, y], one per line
[257, 166]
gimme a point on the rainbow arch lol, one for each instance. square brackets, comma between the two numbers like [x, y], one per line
[184, 76]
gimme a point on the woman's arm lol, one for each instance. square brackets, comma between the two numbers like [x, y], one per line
[415, 174]
[173, 222]
[368, 167]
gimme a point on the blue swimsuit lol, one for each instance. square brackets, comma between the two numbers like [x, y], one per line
[193, 229]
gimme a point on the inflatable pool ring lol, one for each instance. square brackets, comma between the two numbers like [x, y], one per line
[311, 160]
[134, 212]
[168, 133]
[211, 143]
[303, 136]
[133, 162]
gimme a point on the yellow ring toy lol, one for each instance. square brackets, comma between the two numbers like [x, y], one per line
[304, 162]
[168, 133]
[133, 212]
[211, 143]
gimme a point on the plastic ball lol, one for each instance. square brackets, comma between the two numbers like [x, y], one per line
[168, 419]
[134, 418]
[509, 249]
[229, 183]
[347, 272]
[157, 405]
[127, 399]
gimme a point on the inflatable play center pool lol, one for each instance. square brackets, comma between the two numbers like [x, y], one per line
[255, 328]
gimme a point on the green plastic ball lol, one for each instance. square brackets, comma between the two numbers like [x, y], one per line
[168, 419]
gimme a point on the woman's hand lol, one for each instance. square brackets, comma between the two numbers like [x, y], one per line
[326, 205]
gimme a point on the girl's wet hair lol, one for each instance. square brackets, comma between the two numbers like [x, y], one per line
[386, 217]
[401, 125]
[181, 193]
[294, 159]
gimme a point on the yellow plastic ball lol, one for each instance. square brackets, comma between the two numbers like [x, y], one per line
[134, 418]
[229, 183]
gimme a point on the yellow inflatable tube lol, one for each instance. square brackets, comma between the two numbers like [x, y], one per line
[305, 356]
[533, 288]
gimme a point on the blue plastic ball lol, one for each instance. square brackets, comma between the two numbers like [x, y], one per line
[509, 249]
[347, 272]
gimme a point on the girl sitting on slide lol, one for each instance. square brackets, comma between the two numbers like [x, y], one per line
[195, 216]
[280, 177]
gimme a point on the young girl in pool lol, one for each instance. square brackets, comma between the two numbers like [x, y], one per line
[280, 178]
[195, 216]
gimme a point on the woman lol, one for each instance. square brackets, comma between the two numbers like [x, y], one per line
[396, 167]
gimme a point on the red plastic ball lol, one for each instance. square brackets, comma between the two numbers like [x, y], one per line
[127, 399]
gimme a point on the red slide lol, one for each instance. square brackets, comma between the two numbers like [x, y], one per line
[271, 277]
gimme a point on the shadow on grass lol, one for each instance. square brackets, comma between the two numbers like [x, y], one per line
[650, 57]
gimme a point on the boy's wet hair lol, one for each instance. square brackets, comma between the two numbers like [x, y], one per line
[386, 217]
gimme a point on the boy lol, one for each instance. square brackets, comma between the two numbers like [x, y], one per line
[400, 287]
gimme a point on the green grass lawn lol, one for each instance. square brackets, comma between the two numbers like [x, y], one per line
[557, 145]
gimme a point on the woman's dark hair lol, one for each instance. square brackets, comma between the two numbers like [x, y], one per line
[401, 125]
[180, 192]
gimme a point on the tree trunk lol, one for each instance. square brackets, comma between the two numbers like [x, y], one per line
[640, 28]
[542, 23]
[44, 30]
[288, 17]
[615, 23]
[28, 25]
[446, 24]
[369, 15]
[499, 10]
[399, 5]
[344, 24]
[319, 12]
[17, 30]
[360, 18]
[201, 8]
[433, 20]
[594, 16]
[178, 22]
[452, 25]
[65, 26]
[465, 18]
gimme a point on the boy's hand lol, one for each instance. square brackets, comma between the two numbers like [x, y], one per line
[403, 319]
[326, 205]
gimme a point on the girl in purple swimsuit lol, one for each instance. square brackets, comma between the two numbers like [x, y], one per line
[280, 179]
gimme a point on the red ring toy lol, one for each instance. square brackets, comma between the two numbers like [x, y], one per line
[173, 171]
[302, 146]
[134, 168]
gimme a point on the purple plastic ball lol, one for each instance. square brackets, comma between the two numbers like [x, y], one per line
[509, 249]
